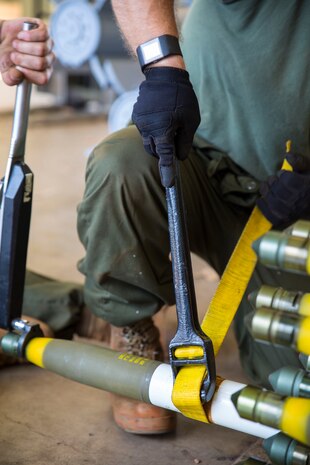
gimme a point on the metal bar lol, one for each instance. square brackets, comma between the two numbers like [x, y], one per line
[20, 122]
[15, 210]
[188, 333]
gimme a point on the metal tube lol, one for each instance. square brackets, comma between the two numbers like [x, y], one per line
[132, 376]
[281, 251]
[19, 130]
[20, 121]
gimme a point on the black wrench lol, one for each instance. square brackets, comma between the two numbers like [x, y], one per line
[189, 333]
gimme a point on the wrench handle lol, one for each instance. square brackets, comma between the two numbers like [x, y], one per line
[21, 113]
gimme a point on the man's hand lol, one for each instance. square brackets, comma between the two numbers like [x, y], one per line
[167, 116]
[25, 53]
[286, 196]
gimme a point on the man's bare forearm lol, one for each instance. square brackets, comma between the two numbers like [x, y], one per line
[142, 20]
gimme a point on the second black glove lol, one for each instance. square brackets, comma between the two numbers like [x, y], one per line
[286, 196]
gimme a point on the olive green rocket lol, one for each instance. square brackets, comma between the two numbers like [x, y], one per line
[289, 414]
[290, 381]
[89, 364]
[280, 329]
[282, 251]
[296, 302]
[283, 450]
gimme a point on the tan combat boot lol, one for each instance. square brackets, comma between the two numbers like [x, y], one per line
[141, 339]
[94, 328]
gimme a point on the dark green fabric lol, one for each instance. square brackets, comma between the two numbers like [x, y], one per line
[122, 222]
[249, 65]
[59, 304]
[232, 183]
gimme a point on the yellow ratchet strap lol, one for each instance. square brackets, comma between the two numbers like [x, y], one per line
[221, 311]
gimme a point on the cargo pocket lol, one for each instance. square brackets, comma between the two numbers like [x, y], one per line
[232, 183]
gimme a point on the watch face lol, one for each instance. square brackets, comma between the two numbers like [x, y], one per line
[76, 31]
[151, 50]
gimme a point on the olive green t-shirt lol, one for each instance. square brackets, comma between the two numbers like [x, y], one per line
[249, 62]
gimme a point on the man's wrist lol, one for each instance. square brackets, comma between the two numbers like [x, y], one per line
[167, 73]
[173, 61]
[158, 48]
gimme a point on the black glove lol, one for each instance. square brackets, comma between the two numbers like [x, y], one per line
[167, 116]
[286, 196]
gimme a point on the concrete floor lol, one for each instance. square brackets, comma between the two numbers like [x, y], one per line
[46, 419]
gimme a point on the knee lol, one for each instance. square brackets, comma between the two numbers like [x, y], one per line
[120, 155]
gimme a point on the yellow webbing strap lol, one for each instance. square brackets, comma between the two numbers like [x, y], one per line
[186, 392]
[234, 281]
[221, 311]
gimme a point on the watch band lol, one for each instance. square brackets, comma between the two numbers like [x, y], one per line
[158, 48]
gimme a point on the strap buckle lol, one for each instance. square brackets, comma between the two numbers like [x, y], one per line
[192, 347]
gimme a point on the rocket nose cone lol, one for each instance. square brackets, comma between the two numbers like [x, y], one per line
[305, 361]
[248, 320]
[276, 447]
[234, 398]
[256, 245]
[274, 378]
[267, 445]
[252, 298]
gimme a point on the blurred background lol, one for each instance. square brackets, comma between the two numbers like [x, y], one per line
[94, 72]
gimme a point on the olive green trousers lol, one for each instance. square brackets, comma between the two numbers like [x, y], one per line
[59, 304]
[122, 223]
